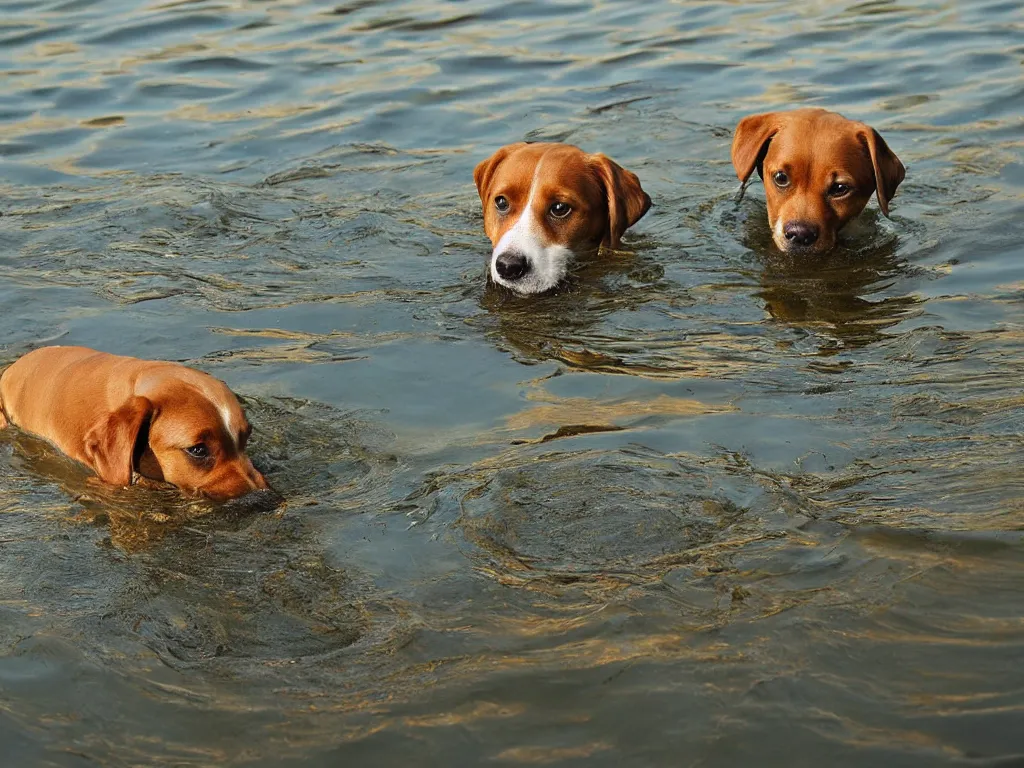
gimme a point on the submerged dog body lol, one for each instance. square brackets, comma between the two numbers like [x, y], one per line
[545, 204]
[120, 414]
[819, 171]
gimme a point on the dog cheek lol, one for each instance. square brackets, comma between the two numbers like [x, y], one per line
[490, 228]
[552, 268]
[170, 473]
[179, 471]
[848, 210]
[773, 205]
[587, 233]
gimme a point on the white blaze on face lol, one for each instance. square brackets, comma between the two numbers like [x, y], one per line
[225, 415]
[547, 264]
[218, 394]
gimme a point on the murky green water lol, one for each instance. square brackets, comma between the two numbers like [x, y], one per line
[707, 507]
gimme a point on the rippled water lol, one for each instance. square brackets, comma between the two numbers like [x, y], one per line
[706, 506]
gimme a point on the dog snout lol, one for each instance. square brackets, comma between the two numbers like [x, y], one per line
[800, 233]
[234, 480]
[511, 265]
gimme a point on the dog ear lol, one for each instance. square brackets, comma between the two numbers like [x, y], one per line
[627, 201]
[484, 171]
[750, 142]
[110, 444]
[889, 171]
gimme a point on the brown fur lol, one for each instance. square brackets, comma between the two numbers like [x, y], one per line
[121, 414]
[816, 149]
[606, 199]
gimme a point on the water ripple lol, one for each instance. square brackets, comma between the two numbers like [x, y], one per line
[702, 501]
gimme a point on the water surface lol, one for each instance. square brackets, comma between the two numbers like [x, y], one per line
[705, 506]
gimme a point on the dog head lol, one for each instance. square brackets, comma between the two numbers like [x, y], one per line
[819, 171]
[545, 204]
[182, 427]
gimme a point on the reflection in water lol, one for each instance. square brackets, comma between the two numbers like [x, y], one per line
[546, 326]
[135, 517]
[836, 291]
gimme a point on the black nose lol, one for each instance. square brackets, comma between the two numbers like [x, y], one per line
[511, 265]
[800, 233]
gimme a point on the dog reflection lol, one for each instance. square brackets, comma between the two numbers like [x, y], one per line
[834, 291]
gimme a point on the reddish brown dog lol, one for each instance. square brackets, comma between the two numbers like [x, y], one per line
[545, 204]
[819, 172]
[121, 414]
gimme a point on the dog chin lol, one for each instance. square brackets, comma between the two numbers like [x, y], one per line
[817, 249]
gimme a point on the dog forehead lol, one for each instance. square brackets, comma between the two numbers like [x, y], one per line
[184, 418]
[571, 177]
[546, 165]
[191, 402]
[814, 142]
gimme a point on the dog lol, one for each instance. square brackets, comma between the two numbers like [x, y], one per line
[546, 204]
[819, 171]
[118, 414]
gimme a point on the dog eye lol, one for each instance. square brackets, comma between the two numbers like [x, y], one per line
[199, 451]
[781, 179]
[560, 210]
[839, 190]
[501, 203]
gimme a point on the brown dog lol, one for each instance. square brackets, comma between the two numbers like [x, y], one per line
[819, 171]
[120, 414]
[544, 204]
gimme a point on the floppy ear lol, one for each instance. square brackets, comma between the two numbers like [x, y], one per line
[889, 171]
[627, 201]
[750, 142]
[110, 444]
[484, 171]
